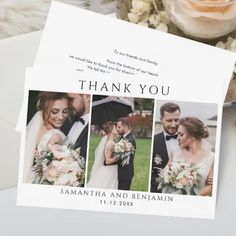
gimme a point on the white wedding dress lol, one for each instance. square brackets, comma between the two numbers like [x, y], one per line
[203, 166]
[103, 176]
[32, 132]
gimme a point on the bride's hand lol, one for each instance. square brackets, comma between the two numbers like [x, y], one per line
[209, 181]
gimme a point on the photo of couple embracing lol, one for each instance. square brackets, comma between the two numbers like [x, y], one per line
[183, 148]
[108, 171]
[120, 143]
[56, 138]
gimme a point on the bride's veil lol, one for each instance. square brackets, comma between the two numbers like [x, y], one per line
[31, 136]
[205, 145]
[99, 156]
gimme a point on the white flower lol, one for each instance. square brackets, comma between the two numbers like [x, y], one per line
[72, 178]
[66, 167]
[220, 44]
[229, 45]
[166, 179]
[51, 174]
[59, 151]
[166, 170]
[117, 148]
[178, 177]
[128, 146]
[179, 185]
[74, 154]
[139, 7]
[165, 19]
[162, 27]
[63, 179]
[133, 18]
[157, 160]
[74, 166]
[155, 20]
[62, 165]
[145, 13]
[78, 150]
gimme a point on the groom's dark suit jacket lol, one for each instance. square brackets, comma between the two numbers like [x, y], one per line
[127, 172]
[81, 141]
[159, 149]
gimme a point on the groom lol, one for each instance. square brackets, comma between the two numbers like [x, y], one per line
[76, 128]
[125, 173]
[165, 142]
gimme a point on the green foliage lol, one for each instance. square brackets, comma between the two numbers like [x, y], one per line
[143, 104]
[141, 162]
[141, 126]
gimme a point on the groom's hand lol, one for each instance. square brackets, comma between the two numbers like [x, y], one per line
[109, 164]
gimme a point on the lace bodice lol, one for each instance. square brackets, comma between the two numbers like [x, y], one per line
[204, 165]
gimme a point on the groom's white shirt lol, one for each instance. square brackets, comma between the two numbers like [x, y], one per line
[125, 135]
[171, 144]
[76, 130]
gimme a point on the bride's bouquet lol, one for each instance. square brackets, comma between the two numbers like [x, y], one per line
[180, 178]
[122, 151]
[59, 165]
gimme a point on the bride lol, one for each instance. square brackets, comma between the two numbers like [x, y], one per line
[196, 150]
[44, 128]
[105, 176]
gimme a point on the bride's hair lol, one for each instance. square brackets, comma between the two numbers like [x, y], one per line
[45, 102]
[195, 127]
[107, 127]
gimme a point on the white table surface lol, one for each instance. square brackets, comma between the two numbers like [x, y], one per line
[19, 52]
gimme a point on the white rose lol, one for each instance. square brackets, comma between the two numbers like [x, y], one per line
[74, 166]
[164, 18]
[62, 165]
[118, 148]
[63, 179]
[162, 27]
[59, 152]
[72, 178]
[179, 184]
[155, 20]
[139, 7]
[133, 18]
[158, 160]
[166, 179]
[51, 174]
[145, 24]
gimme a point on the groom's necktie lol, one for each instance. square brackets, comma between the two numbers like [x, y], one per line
[168, 137]
[79, 119]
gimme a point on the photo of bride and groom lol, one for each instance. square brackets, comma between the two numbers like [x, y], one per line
[183, 148]
[118, 157]
[56, 138]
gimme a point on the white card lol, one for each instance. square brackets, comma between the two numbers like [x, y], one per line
[178, 70]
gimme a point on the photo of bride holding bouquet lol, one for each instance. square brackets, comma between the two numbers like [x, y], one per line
[183, 152]
[50, 156]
